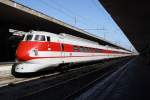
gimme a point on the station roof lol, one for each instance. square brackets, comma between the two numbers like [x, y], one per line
[17, 16]
[133, 17]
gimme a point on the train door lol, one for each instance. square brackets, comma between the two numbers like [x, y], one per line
[107, 52]
[62, 47]
[48, 40]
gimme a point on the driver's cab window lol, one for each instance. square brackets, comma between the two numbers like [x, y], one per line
[34, 37]
[28, 37]
[39, 38]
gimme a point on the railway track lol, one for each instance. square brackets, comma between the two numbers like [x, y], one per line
[57, 86]
[11, 80]
[7, 79]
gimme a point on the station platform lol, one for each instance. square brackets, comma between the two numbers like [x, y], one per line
[130, 82]
[5, 68]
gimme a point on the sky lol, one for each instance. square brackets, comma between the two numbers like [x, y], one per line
[88, 15]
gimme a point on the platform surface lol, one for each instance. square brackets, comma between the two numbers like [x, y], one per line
[5, 69]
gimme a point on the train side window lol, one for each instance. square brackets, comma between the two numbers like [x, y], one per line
[36, 37]
[94, 50]
[85, 49]
[97, 50]
[89, 49]
[42, 38]
[48, 38]
[81, 49]
[100, 50]
[75, 48]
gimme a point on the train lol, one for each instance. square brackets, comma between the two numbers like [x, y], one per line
[40, 50]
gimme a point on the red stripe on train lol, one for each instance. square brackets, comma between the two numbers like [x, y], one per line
[25, 47]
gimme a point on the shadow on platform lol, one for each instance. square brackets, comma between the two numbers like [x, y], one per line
[132, 84]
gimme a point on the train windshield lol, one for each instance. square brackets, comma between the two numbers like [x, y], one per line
[31, 37]
[28, 37]
[39, 38]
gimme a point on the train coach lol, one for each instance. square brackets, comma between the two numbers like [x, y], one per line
[41, 50]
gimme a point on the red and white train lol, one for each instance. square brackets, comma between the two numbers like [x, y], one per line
[41, 50]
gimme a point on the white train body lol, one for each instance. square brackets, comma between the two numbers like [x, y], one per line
[40, 50]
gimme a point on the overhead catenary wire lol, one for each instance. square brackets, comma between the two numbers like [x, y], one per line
[60, 10]
[56, 8]
[77, 18]
[74, 13]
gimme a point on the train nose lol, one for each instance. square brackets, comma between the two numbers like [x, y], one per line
[22, 52]
[22, 55]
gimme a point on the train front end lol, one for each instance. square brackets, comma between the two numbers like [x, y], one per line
[27, 54]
